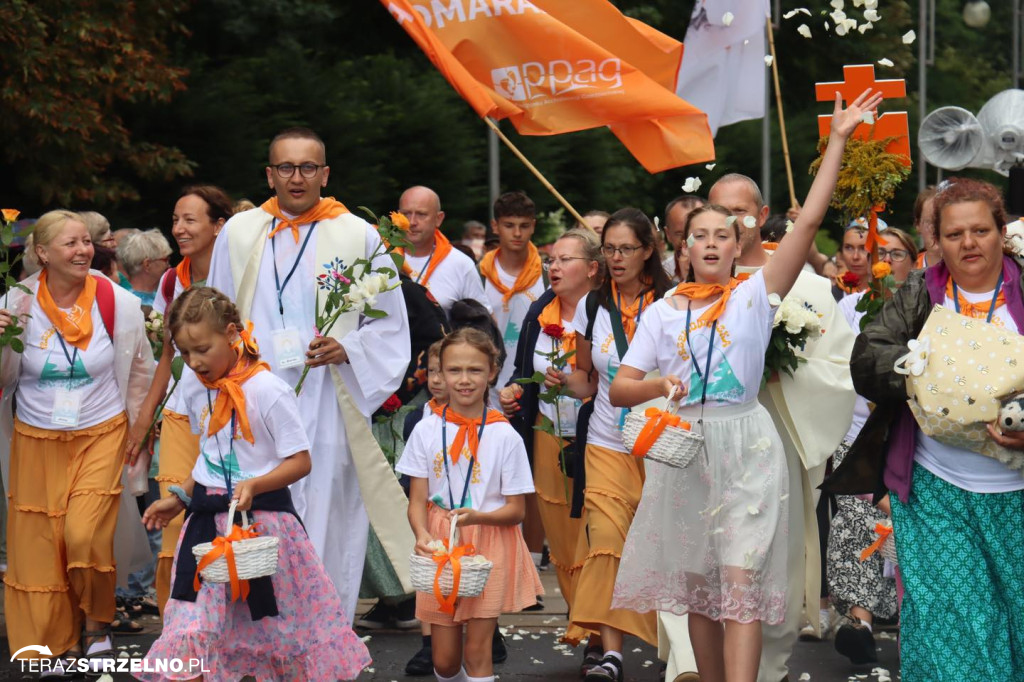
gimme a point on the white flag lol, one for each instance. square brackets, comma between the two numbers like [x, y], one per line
[723, 68]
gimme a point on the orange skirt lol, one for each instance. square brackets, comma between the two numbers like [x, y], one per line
[179, 449]
[64, 497]
[512, 585]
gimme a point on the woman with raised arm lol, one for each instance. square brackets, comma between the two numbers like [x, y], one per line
[709, 539]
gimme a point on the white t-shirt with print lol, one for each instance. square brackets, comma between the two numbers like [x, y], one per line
[737, 350]
[454, 278]
[500, 469]
[546, 344]
[963, 468]
[46, 368]
[274, 418]
[509, 319]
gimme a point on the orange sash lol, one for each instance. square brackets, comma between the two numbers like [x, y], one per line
[977, 310]
[694, 291]
[629, 313]
[528, 276]
[75, 326]
[657, 422]
[230, 395]
[222, 547]
[453, 556]
[442, 247]
[325, 209]
[884, 531]
[552, 316]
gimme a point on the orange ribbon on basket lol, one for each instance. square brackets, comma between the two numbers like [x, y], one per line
[222, 547]
[884, 531]
[454, 556]
[657, 422]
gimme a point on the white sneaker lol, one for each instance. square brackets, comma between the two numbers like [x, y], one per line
[827, 622]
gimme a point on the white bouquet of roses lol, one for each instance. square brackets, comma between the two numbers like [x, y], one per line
[795, 322]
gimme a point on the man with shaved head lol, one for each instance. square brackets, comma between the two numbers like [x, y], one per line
[430, 260]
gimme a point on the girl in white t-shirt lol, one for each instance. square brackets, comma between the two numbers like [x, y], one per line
[710, 539]
[252, 447]
[468, 466]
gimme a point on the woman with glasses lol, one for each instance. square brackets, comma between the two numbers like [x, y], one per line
[605, 322]
[145, 256]
[855, 261]
[858, 589]
[574, 269]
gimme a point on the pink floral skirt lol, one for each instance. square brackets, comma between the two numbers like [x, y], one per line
[311, 639]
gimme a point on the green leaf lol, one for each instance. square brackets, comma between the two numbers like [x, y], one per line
[177, 365]
[370, 214]
[7, 234]
[398, 259]
[17, 345]
[373, 313]
[24, 288]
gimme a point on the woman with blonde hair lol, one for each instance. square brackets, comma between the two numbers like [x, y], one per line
[77, 374]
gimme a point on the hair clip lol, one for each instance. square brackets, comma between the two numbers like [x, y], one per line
[247, 338]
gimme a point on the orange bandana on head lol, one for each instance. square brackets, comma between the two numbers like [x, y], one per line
[231, 397]
[442, 247]
[632, 311]
[550, 318]
[75, 326]
[694, 291]
[184, 272]
[528, 276]
[469, 429]
[325, 209]
[977, 310]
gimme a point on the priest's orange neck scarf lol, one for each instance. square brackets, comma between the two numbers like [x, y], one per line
[75, 325]
[325, 209]
[469, 429]
[696, 292]
[528, 276]
[977, 310]
[549, 319]
[630, 312]
[442, 247]
[231, 397]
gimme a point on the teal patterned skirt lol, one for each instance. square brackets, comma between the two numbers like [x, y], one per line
[961, 558]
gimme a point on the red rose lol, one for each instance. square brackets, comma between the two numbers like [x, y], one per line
[555, 331]
[850, 279]
[392, 404]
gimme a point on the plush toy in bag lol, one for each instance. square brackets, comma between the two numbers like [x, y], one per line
[1011, 416]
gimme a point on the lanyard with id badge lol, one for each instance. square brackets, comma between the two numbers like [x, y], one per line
[67, 402]
[224, 468]
[444, 458]
[288, 347]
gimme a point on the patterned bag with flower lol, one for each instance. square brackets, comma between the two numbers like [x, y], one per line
[958, 370]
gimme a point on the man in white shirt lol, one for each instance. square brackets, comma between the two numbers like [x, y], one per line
[430, 260]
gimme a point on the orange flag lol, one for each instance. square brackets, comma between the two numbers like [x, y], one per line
[546, 65]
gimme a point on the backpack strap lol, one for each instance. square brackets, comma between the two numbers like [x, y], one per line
[105, 302]
[591, 315]
[167, 287]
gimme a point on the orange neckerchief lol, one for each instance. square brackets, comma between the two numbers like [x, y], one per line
[75, 326]
[230, 395]
[976, 310]
[325, 209]
[184, 272]
[552, 316]
[468, 428]
[694, 291]
[629, 313]
[528, 276]
[442, 247]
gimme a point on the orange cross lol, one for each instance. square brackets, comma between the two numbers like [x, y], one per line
[857, 79]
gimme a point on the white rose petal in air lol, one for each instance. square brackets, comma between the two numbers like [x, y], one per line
[774, 300]
[803, 30]
[864, 28]
[792, 13]
[691, 185]
[710, 166]
[656, 222]
[841, 29]
[752, 510]
[763, 443]
[868, 117]
[768, 59]
[836, 4]
[871, 15]
[690, 241]
[909, 37]
[870, 4]
[749, 222]
[838, 16]
[727, 18]
[885, 61]
[826, 25]
[729, 220]
[804, 676]
[789, 226]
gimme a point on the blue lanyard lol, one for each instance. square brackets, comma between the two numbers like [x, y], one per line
[991, 307]
[444, 456]
[277, 280]
[693, 356]
[231, 442]
[72, 357]
[427, 264]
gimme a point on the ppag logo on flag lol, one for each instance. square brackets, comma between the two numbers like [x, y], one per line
[530, 81]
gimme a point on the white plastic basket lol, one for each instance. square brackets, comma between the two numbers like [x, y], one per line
[675, 446]
[472, 577]
[254, 557]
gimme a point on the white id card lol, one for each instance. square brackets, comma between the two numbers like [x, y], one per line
[288, 348]
[568, 409]
[66, 408]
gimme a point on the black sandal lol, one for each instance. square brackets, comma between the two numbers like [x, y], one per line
[124, 625]
[592, 656]
[97, 657]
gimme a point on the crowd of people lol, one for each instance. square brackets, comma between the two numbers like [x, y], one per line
[487, 385]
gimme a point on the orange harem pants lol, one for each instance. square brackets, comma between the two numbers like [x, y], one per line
[615, 481]
[179, 448]
[64, 496]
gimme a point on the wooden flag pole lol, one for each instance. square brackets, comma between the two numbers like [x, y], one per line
[533, 169]
[782, 119]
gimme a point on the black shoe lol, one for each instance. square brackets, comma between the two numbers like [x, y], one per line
[856, 643]
[545, 559]
[404, 613]
[539, 606]
[379, 617]
[420, 665]
[608, 670]
[591, 656]
[499, 653]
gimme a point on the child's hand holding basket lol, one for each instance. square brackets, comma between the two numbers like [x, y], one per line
[453, 570]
